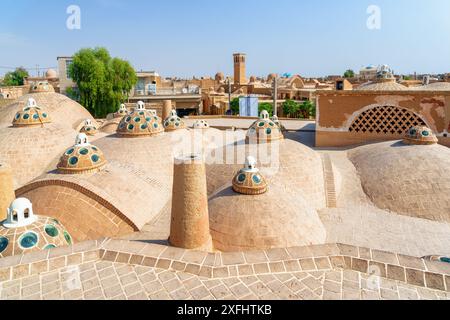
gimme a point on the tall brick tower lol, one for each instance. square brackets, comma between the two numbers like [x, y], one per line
[239, 68]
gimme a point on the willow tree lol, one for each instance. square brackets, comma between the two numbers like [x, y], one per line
[102, 82]
[16, 77]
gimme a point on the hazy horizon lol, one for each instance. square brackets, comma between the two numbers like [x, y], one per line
[198, 38]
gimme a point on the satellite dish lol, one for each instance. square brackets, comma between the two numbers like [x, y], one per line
[184, 90]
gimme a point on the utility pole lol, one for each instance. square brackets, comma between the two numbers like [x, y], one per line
[275, 96]
[229, 94]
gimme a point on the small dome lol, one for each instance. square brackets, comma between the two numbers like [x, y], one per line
[249, 180]
[219, 76]
[140, 122]
[264, 129]
[201, 124]
[81, 158]
[221, 90]
[31, 115]
[420, 135]
[89, 128]
[252, 79]
[41, 86]
[382, 85]
[271, 76]
[173, 122]
[23, 232]
[123, 111]
[51, 74]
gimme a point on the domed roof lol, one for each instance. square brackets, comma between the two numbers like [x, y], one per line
[221, 90]
[298, 168]
[410, 180]
[23, 232]
[41, 86]
[89, 128]
[31, 115]
[382, 86]
[264, 130]
[275, 219]
[63, 110]
[81, 158]
[249, 180]
[420, 135]
[201, 124]
[436, 86]
[252, 79]
[219, 76]
[140, 122]
[51, 74]
[271, 76]
[173, 122]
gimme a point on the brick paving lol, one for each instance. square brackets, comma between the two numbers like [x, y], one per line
[100, 280]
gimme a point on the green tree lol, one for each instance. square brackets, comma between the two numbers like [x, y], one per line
[349, 74]
[16, 77]
[235, 106]
[102, 82]
[407, 78]
[265, 106]
[290, 107]
[308, 109]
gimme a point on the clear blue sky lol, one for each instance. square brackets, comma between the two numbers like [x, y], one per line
[198, 37]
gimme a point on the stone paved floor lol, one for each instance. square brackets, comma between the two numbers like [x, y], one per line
[115, 281]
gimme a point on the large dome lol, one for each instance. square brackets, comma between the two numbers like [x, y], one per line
[299, 168]
[411, 180]
[31, 151]
[276, 219]
[62, 109]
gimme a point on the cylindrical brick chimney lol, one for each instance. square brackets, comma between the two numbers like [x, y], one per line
[167, 108]
[7, 194]
[189, 228]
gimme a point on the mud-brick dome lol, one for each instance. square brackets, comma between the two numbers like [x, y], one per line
[140, 122]
[51, 74]
[407, 179]
[41, 86]
[275, 219]
[89, 128]
[31, 115]
[420, 135]
[264, 130]
[81, 158]
[249, 180]
[174, 122]
[24, 232]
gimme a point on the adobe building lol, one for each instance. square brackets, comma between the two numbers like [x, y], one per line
[381, 110]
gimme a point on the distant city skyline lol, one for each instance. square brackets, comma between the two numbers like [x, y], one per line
[198, 38]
